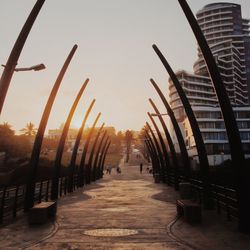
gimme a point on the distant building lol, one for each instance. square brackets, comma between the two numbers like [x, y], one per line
[228, 36]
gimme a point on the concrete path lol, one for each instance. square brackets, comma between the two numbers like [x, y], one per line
[126, 211]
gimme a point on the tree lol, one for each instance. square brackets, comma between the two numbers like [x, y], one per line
[128, 138]
[29, 130]
[6, 138]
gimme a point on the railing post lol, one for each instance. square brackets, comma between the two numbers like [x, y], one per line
[40, 192]
[15, 201]
[2, 204]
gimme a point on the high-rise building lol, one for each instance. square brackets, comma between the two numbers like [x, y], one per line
[228, 36]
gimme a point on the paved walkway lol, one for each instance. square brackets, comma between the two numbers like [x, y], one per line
[126, 211]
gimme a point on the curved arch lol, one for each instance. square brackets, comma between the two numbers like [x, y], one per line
[155, 159]
[16, 51]
[184, 153]
[93, 151]
[98, 152]
[84, 154]
[159, 153]
[152, 156]
[164, 150]
[158, 156]
[99, 164]
[200, 146]
[60, 147]
[36, 150]
[76, 146]
[237, 153]
[171, 146]
[104, 155]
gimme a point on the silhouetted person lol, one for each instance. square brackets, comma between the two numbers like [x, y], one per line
[141, 165]
[118, 170]
[110, 169]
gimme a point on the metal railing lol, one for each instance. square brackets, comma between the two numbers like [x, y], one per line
[225, 199]
[12, 197]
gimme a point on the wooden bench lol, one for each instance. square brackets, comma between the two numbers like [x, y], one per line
[42, 212]
[189, 210]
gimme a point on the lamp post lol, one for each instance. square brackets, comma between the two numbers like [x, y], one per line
[16, 51]
[36, 67]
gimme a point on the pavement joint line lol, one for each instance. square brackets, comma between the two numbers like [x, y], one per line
[176, 238]
[36, 243]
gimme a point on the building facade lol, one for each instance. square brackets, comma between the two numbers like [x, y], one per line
[228, 36]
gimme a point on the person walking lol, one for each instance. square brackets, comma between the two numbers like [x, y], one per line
[141, 166]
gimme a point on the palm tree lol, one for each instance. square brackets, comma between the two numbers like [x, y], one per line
[29, 130]
[129, 136]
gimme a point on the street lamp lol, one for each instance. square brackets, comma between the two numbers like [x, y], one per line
[16, 51]
[158, 114]
[37, 67]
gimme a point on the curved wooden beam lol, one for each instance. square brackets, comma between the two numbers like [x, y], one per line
[16, 51]
[160, 154]
[153, 144]
[75, 149]
[104, 156]
[98, 152]
[60, 147]
[86, 174]
[154, 156]
[183, 150]
[236, 148]
[200, 146]
[34, 159]
[171, 147]
[99, 164]
[164, 150]
[93, 177]
[150, 152]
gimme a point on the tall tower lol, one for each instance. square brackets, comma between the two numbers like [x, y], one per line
[228, 36]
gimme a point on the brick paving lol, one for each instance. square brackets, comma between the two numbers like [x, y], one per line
[123, 211]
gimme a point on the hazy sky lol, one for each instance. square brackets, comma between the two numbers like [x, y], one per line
[114, 39]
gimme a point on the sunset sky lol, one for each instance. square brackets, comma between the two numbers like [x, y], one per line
[114, 39]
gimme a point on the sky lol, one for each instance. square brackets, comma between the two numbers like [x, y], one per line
[114, 39]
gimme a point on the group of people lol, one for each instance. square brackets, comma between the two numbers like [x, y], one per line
[109, 170]
[118, 169]
[149, 170]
